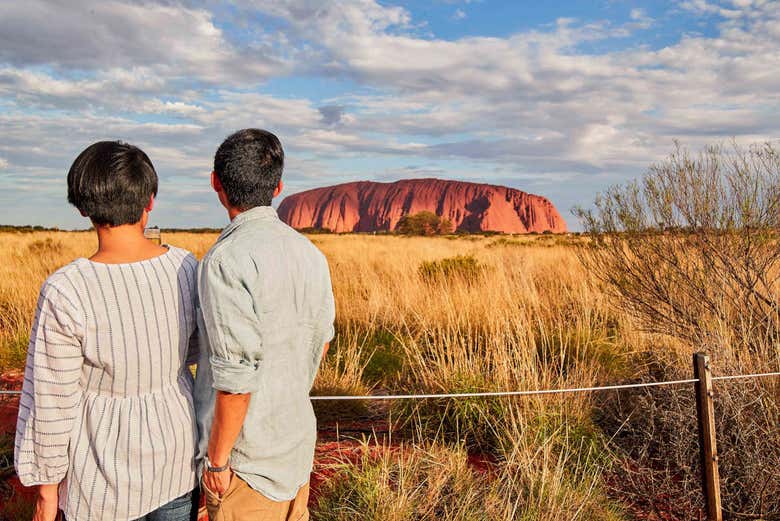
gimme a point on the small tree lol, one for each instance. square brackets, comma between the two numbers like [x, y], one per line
[423, 223]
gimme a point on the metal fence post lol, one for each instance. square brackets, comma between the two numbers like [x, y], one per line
[708, 451]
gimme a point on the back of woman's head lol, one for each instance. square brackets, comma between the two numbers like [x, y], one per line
[111, 182]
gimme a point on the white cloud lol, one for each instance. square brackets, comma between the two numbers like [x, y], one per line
[171, 107]
[3, 164]
[640, 18]
[712, 8]
[459, 14]
[171, 39]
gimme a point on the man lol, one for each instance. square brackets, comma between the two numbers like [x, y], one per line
[267, 310]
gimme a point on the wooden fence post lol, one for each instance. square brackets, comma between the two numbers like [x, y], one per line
[708, 451]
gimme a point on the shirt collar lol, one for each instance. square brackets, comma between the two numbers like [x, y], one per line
[253, 214]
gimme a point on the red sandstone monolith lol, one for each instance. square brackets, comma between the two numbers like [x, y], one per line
[367, 206]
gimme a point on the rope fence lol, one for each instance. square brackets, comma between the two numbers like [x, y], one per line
[514, 393]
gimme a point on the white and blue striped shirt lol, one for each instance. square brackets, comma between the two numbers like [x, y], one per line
[107, 403]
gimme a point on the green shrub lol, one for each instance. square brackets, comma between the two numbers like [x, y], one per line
[46, 246]
[465, 267]
[505, 241]
[311, 230]
[423, 223]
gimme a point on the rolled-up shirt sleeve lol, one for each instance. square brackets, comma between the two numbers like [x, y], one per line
[52, 393]
[234, 340]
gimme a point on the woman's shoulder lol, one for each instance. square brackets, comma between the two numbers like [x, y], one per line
[181, 254]
[183, 260]
[63, 285]
[64, 277]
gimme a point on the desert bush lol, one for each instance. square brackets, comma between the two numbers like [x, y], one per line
[464, 267]
[691, 253]
[656, 432]
[691, 250]
[423, 223]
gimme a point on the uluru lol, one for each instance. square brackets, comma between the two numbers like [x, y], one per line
[367, 206]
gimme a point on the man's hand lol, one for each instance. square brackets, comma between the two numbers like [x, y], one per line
[229, 414]
[217, 482]
[46, 506]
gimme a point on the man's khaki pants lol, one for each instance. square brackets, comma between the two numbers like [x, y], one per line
[242, 503]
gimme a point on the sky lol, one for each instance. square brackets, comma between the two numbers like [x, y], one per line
[561, 99]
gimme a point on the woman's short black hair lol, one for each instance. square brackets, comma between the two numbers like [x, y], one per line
[111, 183]
[249, 165]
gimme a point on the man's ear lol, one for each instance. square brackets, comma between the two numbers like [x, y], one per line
[150, 205]
[279, 188]
[215, 184]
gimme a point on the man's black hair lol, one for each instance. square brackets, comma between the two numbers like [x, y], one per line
[249, 166]
[111, 183]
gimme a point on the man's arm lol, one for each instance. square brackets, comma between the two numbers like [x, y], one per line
[234, 344]
[229, 414]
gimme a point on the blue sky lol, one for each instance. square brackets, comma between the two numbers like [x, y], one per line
[561, 99]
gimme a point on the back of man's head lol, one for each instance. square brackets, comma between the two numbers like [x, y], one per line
[249, 166]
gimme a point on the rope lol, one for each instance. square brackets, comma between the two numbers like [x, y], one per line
[738, 376]
[503, 393]
[517, 393]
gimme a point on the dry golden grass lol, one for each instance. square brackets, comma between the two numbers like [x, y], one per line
[530, 295]
[522, 316]
[503, 313]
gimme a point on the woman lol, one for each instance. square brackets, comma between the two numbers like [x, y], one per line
[106, 426]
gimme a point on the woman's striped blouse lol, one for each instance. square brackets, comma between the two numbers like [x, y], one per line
[106, 407]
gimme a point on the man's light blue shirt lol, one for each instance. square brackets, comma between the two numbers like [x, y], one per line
[266, 306]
